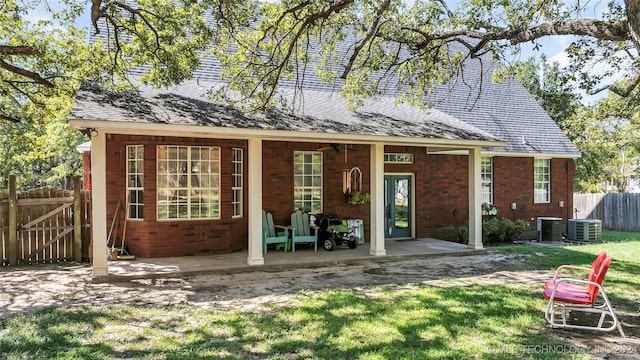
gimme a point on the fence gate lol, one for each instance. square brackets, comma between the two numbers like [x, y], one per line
[44, 225]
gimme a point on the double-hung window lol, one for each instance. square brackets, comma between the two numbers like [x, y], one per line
[238, 181]
[486, 179]
[542, 180]
[307, 187]
[135, 181]
[188, 182]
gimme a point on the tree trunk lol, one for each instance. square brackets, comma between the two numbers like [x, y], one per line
[633, 17]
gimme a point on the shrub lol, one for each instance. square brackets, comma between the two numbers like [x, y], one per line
[502, 230]
[462, 236]
[359, 197]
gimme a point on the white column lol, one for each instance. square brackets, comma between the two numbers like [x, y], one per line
[255, 256]
[99, 203]
[475, 199]
[377, 201]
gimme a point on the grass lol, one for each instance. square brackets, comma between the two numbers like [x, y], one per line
[446, 320]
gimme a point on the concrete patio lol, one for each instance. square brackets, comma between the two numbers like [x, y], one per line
[279, 260]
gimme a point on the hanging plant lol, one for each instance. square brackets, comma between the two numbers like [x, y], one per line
[359, 197]
[489, 209]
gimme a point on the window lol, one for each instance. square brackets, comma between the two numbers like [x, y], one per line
[542, 181]
[307, 188]
[238, 181]
[486, 179]
[135, 181]
[398, 158]
[188, 182]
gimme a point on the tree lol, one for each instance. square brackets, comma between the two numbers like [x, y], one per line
[411, 42]
[40, 153]
[389, 43]
[552, 88]
[42, 63]
[607, 134]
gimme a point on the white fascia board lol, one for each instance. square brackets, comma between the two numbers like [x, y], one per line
[506, 154]
[132, 128]
[533, 155]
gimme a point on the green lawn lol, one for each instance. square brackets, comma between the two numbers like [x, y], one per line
[447, 320]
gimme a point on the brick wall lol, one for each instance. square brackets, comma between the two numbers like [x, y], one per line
[441, 192]
[153, 238]
[446, 186]
[86, 170]
[278, 179]
[513, 182]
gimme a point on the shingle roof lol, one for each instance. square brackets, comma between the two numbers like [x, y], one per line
[317, 111]
[470, 107]
[506, 110]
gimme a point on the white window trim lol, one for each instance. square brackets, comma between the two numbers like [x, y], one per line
[536, 182]
[321, 187]
[188, 188]
[237, 160]
[490, 182]
[139, 156]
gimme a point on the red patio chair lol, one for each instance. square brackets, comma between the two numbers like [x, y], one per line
[592, 271]
[563, 299]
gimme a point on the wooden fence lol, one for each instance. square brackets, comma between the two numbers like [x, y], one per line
[617, 211]
[44, 225]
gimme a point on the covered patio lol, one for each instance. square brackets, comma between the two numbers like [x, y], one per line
[279, 260]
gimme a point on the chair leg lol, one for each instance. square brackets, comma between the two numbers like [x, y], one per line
[604, 310]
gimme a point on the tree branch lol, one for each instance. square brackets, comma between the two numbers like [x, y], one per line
[602, 30]
[13, 85]
[18, 50]
[96, 12]
[308, 21]
[370, 34]
[9, 118]
[633, 18]
[624, 92]
[26, 73]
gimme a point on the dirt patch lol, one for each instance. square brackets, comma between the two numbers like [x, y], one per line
[29, 289]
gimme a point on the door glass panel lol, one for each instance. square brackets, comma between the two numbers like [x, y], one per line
[401, 196]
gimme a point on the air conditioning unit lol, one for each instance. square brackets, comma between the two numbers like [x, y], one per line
[550, 229]
[585, 230]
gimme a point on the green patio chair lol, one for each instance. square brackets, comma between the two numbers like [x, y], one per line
[269, 234]
[302, 231]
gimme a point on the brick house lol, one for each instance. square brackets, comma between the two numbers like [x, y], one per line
[196, 174]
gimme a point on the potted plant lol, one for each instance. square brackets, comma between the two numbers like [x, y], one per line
[359, 197]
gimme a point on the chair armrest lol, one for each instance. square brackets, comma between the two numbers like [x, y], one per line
[570, 267]
[280, 227]
[574, 297]
[576, 281]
